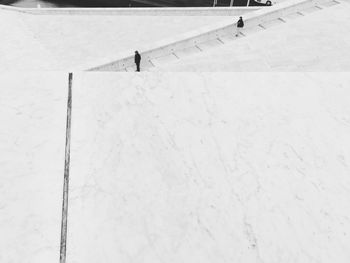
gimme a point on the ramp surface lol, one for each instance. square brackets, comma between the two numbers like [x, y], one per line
[316, 41]
[32, 116]
[64, 42]
[210, 168]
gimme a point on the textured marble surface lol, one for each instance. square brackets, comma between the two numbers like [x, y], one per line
[63, 42]
[32, 137]
[210, 168]
[317, 41]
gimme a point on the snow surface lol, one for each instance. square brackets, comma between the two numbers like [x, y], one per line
[32, 138]
[318, 41]
[210, 167]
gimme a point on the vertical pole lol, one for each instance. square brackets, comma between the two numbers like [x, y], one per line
[231, 3]
[63, 246]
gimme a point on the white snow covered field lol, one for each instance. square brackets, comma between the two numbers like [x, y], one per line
[190, 167]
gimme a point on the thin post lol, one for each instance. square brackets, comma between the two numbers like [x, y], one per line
[231, 3]
[63, 246]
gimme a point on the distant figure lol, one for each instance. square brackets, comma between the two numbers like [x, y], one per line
[240, 25]
[137, 61]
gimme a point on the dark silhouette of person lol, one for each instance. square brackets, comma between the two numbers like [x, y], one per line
[240, 25]
[137, 61]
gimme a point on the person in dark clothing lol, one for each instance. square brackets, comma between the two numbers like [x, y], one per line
[137, 61]
[240, 25]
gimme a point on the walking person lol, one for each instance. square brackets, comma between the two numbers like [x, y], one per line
[240, 25]
[137, 61]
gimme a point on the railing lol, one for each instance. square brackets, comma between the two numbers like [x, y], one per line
[164, 11]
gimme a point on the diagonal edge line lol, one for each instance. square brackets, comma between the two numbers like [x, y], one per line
[64, 222]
